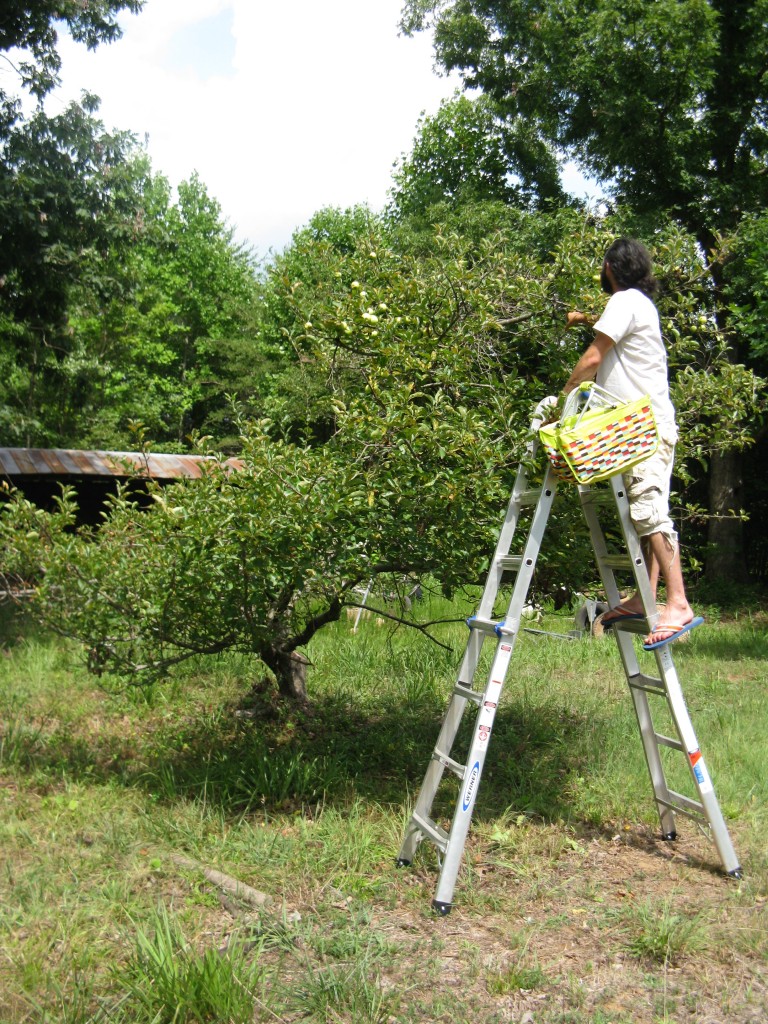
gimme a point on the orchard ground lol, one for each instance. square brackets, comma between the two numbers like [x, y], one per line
[118, 807]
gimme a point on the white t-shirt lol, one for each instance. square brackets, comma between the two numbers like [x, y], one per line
[636, 364]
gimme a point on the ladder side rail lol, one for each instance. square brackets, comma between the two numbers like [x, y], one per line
[696, 765]
[607, 573]
[634, 547]
[486, 714]
[674, 696]
[506, 535]
[661, 791]
[415, 832]
[598, 545]
[667, 801]
[432, 777]
[445, 740]
[471, 658]
[496, 571]
[629, 655]
[626, 648]
[462, 816]
[530, 555]
[511, 519]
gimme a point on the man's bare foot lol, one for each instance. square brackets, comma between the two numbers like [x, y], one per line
[629, 608]
[676, 612]
[666, 631]
[672, 619]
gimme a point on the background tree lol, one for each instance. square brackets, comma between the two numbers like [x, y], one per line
[62, 198]
[32, 28]
[173, 340]
[745, 287]
[664, 103]
[116, 303]
[466, 154]
[69, 195]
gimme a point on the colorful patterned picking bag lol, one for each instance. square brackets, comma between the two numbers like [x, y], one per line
[598, 435]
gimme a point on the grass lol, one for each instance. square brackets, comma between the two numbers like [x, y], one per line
[662, 933]
[568, 906]
[166, 979]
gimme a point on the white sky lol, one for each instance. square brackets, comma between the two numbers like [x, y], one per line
[281, 107]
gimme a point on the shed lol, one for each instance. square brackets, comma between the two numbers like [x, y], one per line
[39, 472]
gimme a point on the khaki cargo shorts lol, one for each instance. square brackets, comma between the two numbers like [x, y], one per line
[648, 486]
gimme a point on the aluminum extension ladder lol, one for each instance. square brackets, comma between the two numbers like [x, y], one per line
[705, 810]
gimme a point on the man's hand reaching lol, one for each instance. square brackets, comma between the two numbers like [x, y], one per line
[578, 319]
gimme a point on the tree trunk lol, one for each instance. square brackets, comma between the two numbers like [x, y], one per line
[290, 671]
[725, 554]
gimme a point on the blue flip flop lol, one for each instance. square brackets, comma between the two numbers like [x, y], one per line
[677, 632]
[619, 615]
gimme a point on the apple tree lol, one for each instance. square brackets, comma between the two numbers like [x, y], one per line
[429, 418]
[664, 103]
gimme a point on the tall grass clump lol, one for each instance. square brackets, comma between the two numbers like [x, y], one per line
[346, 992]
[166, 981]
[659, 933]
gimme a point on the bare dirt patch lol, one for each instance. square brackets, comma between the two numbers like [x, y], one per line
[577, 933]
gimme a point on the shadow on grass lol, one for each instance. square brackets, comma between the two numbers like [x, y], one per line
[266, 756]
[272, 755]
[292, 756]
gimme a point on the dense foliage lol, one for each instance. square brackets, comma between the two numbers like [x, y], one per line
[665, 103]
[117, 304]
[68, 195]
[466, 154]
[421, 356]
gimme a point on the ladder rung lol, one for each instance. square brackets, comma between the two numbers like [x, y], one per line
[450, 763]
[510, 562]
[483, 625]
[648, 684]
[597, 496]
[432, 831]
[667, 741]
[467, 694]
[616, 561]
[528, 497]
[631, 625]
[683, 804]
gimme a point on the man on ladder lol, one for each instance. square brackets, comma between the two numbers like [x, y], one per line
[627, 357]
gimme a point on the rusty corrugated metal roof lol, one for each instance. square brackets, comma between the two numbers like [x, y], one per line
[17, 462]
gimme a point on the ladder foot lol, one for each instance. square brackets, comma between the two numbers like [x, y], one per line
[443, 909]
[736, 873]
[401, 862]
[669, 837]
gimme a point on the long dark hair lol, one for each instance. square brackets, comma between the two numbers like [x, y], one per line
[631, 266]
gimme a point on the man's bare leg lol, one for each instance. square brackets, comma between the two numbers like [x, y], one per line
[634, 603]
[652, 564]
[677, 612]
[662, 559]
